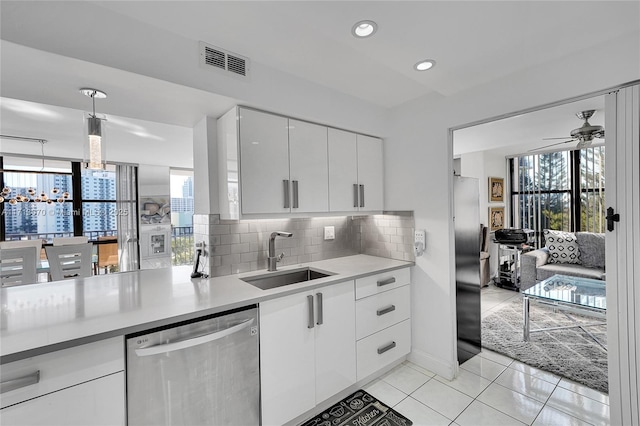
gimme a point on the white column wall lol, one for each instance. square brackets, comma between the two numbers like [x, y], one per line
[622, 125]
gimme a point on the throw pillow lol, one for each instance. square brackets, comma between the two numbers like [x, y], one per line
[562, 246]
[591, 249]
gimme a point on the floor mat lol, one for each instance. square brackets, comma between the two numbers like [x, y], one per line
[359, 409]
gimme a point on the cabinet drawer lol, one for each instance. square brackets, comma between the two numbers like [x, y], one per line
[378, 283]
[382, 310]
[53, 371]
[98, 402]
[381, 349]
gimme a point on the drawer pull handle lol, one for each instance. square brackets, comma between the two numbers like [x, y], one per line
[386, 281]
[21, 382]
[386, 310]
[386, 348]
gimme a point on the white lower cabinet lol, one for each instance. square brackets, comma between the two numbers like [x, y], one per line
[383, 348]
[82, 385]
[96, 402]
[383, 320]
[307, 350]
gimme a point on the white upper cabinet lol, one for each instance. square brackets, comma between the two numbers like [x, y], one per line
[370, 173]
[264, 162]
[308, 167]
[355, 172]
[343, 171]
[270, 165]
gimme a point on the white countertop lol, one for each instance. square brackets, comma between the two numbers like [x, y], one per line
[40, 318]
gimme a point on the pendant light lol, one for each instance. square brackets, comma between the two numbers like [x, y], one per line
[95, 141]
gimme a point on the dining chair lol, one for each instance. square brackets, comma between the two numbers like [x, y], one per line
[70, 261]
[67, 241]
[107, 252]
[23, 243]
[18, 266]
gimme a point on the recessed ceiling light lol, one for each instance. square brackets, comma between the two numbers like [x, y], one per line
[424, 65]
[364, 29]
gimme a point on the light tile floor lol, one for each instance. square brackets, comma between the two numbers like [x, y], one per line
[491, 390]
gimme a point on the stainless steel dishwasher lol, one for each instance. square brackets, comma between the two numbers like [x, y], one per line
[204, 372]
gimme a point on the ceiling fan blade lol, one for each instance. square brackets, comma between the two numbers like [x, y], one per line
[547, 146]
[550, 139]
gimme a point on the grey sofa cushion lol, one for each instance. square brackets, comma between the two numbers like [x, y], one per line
[562, 246]
[591, 247]
[550, 269]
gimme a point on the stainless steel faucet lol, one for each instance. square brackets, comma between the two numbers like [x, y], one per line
[272, 260]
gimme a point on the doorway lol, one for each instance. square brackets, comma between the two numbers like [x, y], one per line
[489, 152]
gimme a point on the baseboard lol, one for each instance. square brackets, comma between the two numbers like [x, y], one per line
[431, 363]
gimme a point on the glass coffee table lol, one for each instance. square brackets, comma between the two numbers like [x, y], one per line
[582, 296]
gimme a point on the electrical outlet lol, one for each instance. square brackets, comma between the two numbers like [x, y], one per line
[329, 232]
[419, 242]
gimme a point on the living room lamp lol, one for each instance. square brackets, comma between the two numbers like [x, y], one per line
[95, 144]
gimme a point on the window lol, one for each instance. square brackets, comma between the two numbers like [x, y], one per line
[50, 207]
[99, 202]
[45, 189]
[181, 217]
[559, 190]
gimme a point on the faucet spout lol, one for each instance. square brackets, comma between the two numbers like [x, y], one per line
[272, 260]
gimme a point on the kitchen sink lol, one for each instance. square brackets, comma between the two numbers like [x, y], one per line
[281, 278]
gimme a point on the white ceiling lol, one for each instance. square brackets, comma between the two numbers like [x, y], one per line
[473, 42]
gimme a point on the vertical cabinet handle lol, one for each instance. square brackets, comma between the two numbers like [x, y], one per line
[361, 195]
[285, 187]
[310, 321]
[355, 195]
[295, 194]
[320, 311]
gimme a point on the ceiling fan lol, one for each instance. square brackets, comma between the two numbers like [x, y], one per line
[583, 134]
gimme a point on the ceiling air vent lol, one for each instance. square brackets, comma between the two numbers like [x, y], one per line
[223, 60]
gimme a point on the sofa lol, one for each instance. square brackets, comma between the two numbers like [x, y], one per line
[579, 254]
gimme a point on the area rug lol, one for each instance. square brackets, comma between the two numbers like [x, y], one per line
[569, 353]
[359, 409]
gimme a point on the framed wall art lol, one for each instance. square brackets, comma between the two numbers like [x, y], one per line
[496, 218]
[496, 189]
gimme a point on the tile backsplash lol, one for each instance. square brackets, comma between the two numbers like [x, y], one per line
[241, 246]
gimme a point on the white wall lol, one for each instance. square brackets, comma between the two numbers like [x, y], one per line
[418, 167]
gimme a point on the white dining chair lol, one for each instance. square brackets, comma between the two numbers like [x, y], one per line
[22, 243]
[67, 241]
[69, 261]
[18, 266]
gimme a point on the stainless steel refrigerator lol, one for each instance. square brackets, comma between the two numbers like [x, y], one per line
[467, 241]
